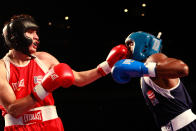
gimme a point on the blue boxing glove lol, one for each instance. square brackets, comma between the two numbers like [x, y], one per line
[125, 69]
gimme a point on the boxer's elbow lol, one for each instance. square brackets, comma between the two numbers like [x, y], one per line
[79, 82]
[12, 110]
[184, 70]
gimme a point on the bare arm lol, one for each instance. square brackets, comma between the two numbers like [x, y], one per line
[168, 70]
[172, 68]
[8, 98]
[82, 78]
[86, 77]
[169, 67]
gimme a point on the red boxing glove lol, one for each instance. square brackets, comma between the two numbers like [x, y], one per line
[60, 75]
[117, 53]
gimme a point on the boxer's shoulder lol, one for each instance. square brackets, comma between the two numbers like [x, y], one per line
[43, 55]
[48, 59]
[156, 57]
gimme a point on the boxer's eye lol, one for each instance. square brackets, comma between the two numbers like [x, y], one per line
[129, 43]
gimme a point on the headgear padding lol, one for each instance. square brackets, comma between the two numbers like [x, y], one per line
[14, 34]
[145, 45]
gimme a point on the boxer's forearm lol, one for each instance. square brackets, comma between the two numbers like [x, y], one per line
[86, 77]
[21, 106]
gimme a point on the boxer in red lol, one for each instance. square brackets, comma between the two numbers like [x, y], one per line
[28, 78]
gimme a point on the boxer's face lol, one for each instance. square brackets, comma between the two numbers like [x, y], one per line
[131, 45]
[31, 33]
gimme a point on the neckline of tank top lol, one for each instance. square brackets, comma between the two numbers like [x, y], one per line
[17, 64]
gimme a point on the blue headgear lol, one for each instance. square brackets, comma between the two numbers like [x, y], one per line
[145, 45]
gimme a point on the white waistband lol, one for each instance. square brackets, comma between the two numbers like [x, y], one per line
[180, 121]
[38, 114]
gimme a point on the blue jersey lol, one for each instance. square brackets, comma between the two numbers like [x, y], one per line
[165, 104]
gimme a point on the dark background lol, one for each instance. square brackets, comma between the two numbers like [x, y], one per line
[85, 40]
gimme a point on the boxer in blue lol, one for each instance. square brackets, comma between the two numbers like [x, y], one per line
[163, 91]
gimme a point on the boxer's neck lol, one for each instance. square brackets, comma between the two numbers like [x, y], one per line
[18, 57]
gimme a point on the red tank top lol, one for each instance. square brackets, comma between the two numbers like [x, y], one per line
[23, 78]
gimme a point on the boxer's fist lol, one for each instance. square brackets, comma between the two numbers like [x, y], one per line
[117, 53]
[60, 75]
[125, 69]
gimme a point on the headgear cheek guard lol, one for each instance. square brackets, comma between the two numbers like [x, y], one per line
[145, 45]
[14, 34]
